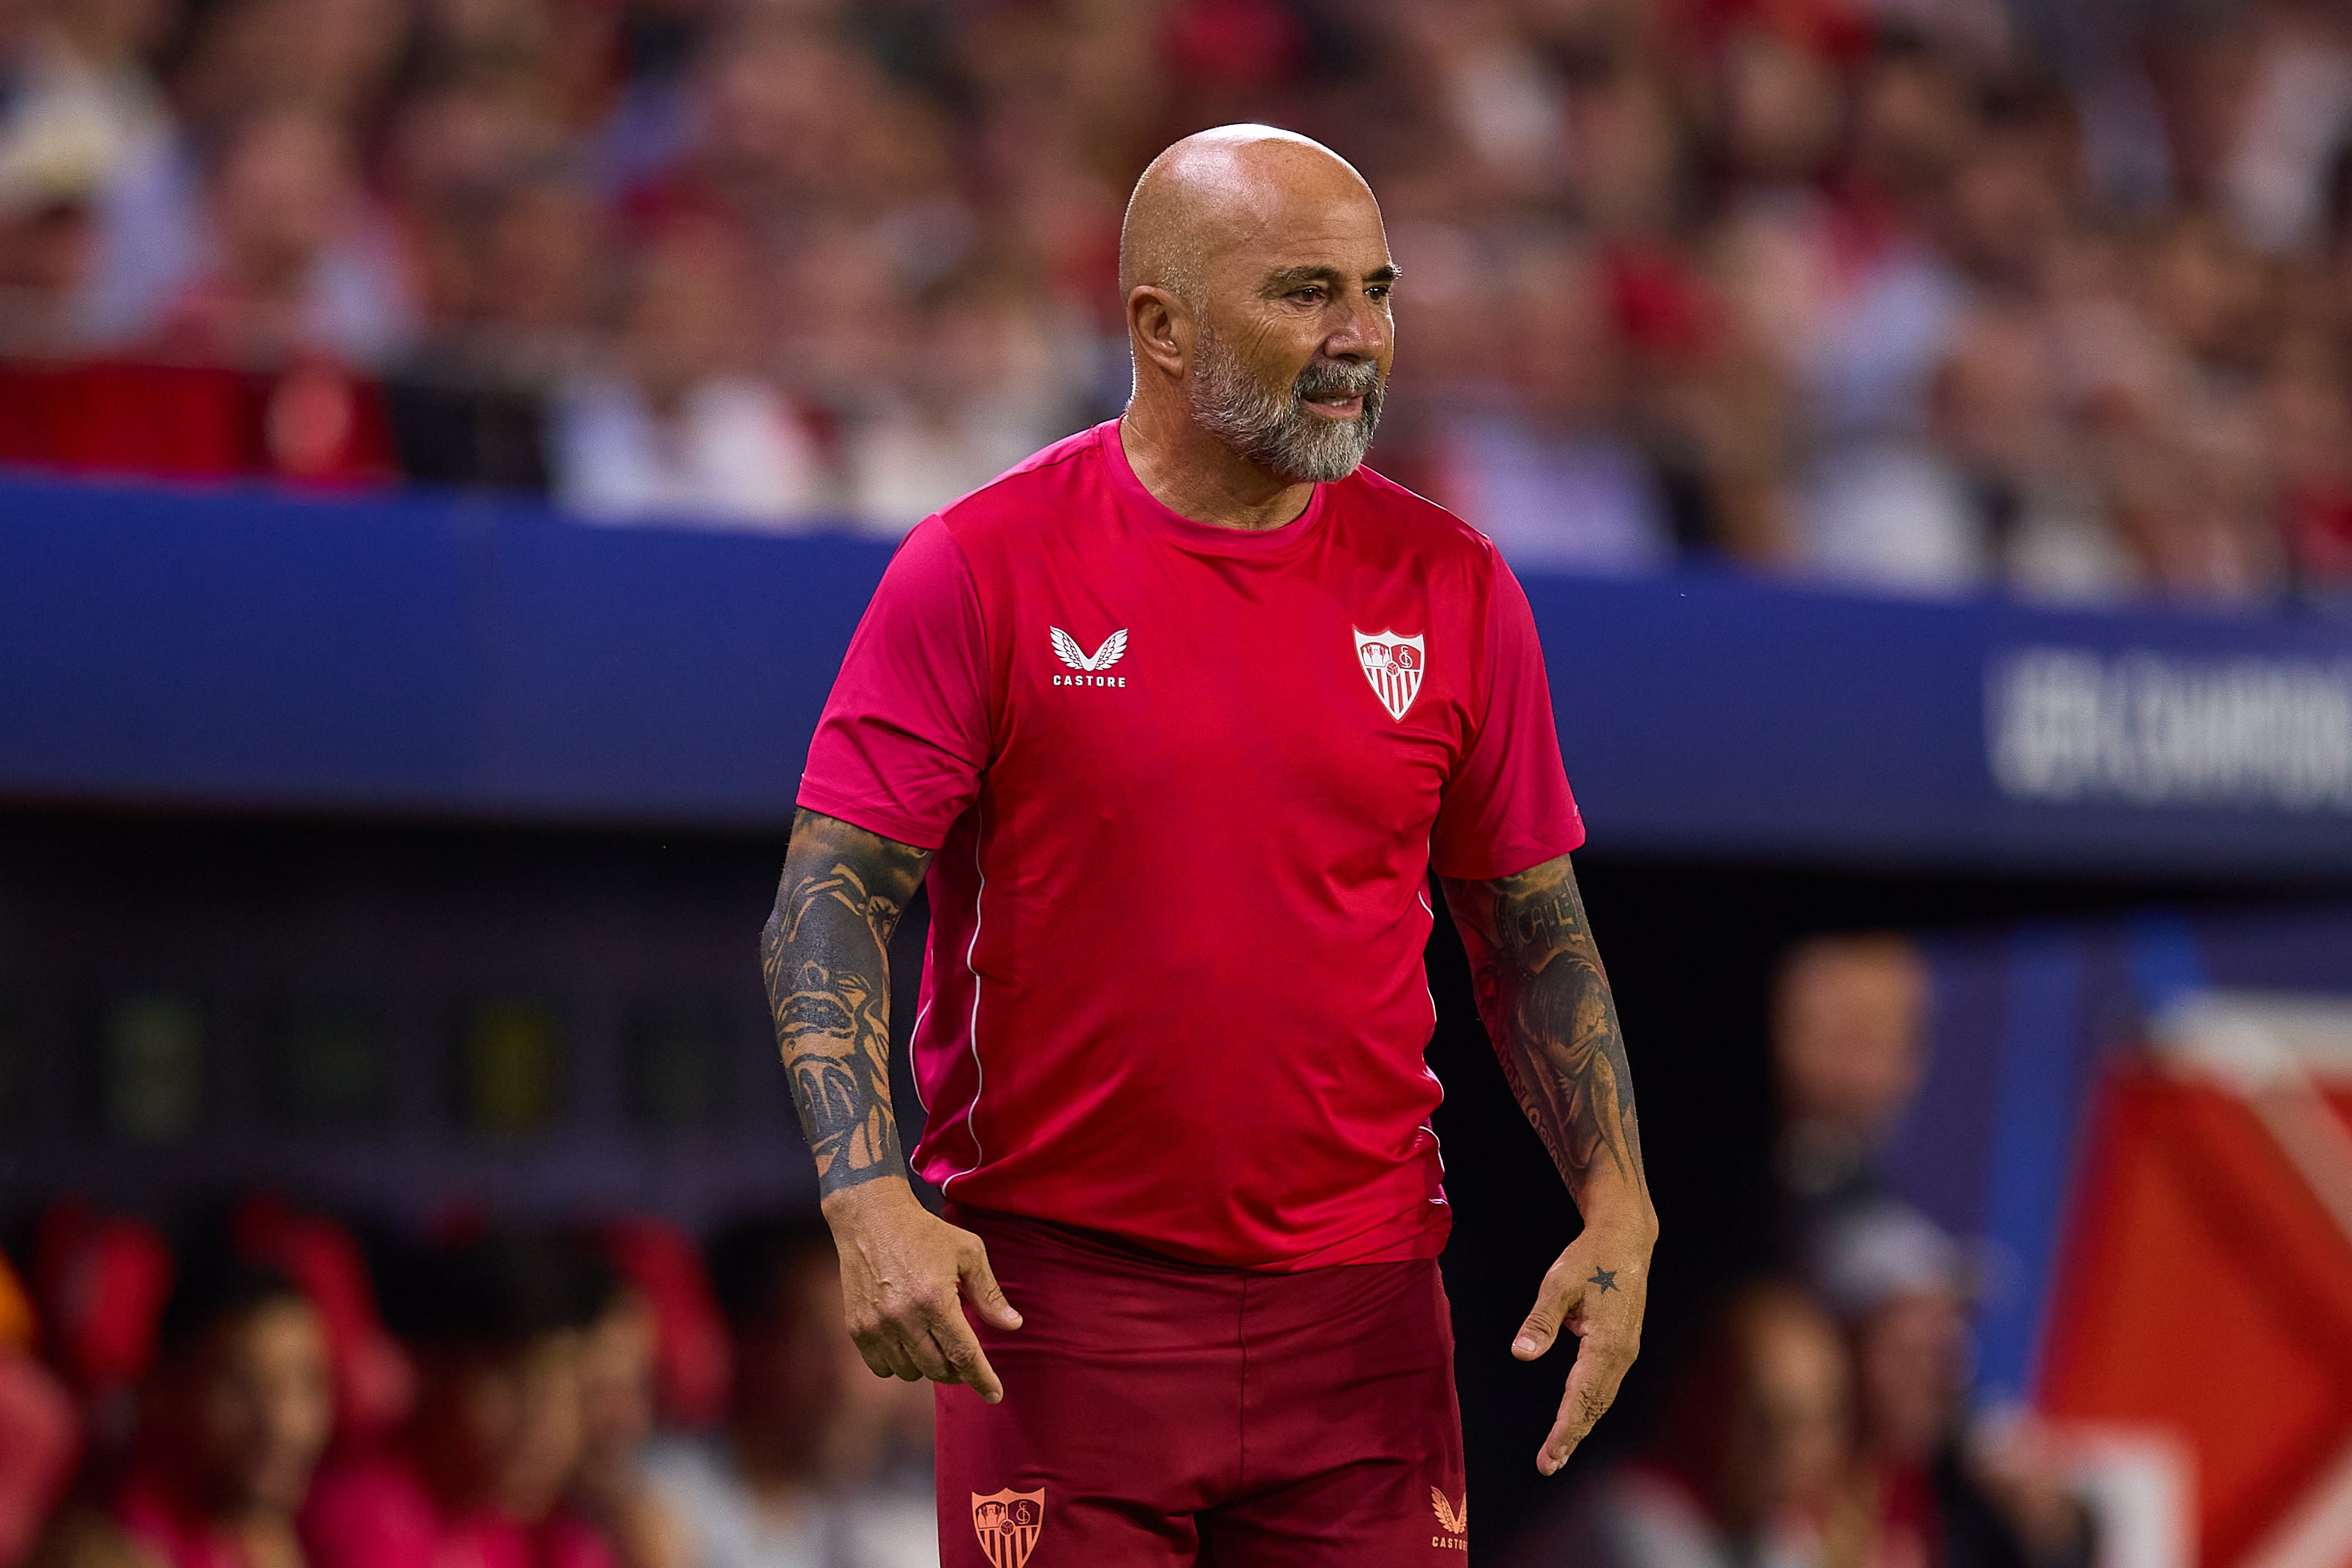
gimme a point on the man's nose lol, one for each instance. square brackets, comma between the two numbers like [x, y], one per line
[1361, 331]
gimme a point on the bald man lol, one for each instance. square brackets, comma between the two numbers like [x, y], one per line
[1177, 717]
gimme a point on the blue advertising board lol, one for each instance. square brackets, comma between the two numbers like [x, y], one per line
[488, 659]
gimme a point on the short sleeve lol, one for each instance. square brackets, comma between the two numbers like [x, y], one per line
[1507, 805]
[905, 734]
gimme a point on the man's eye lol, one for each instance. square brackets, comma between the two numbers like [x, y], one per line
[1312, 293]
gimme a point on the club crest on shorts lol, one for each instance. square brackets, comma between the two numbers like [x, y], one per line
[1007, 1523]
[1393, 665]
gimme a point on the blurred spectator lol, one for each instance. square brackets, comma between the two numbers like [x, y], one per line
[374, 1382]
[454, 152]
[1745, 1467]
[979, 391]
[1543, 469]
[2307, 416]
[231, 1421]
[103, 1282]
[1849, 1045]
[49, 178]
[611, 1489]
[78, 110]
[662, 1265]
[212, 217]
[1931, 1493]
[2012, 477]
[84, 63]
[1872, 511]
[682, 427]
[2296, 115]
[298, 263]
[38, 1435]
[479, 1473]
[536, 271]
[819, 1463]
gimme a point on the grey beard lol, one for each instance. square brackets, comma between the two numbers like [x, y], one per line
[1273, 429]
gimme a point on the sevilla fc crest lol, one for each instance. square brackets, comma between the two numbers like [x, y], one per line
[1007, 1523]
[1393, 665]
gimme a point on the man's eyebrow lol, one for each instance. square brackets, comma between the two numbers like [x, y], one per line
[1281, 283]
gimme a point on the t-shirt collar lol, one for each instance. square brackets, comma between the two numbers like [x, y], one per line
[1208, 537]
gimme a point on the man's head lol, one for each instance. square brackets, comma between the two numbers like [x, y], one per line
[1901, 1287]
[1256, 275]
[243, 1400]
[1762, 1414]
[1849, 1033]
[616, 1389]
[779, 1286]
[803, 1401]
[500, 1326]
[281, 187]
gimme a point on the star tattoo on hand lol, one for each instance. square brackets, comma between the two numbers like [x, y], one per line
[1604, 1277]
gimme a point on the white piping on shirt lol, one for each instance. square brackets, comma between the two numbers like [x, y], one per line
[979, 1075]
[1422, 894]
[1430, 1126]
[913, 1076]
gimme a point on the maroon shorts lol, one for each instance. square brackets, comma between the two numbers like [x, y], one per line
[1158, 1413]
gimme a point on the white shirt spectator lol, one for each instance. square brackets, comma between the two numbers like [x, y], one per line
[876, 1526]
[1580, 501]
[734, 455]
[904, 465]
[1889, 516]
[1634, 1517]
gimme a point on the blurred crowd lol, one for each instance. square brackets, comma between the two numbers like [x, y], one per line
[1823, 1419]
[272, 1389]
[1922, 295]
[263, 1390]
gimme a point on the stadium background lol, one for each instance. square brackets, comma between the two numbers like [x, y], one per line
[452, 440]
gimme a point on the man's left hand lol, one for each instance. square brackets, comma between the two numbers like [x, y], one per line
[1596, 1292]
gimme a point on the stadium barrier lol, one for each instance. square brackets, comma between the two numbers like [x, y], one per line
[487, 658]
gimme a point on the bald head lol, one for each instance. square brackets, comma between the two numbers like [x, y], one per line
[1216, 187]
[1256, 275]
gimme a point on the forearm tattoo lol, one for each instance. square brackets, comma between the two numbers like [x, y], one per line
[825, 953]
[1546, 1001]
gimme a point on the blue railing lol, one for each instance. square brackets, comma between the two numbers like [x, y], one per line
[488, 659]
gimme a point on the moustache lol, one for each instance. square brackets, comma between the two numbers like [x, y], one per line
[1336, 378]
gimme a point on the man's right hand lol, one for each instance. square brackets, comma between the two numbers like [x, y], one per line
[904, 1274]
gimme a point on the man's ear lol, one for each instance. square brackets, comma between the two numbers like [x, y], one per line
[1163, 329]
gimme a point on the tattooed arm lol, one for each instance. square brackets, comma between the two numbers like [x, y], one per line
[1545, 1002]
[825, 954]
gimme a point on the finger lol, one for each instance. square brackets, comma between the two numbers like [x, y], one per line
[896, 1362]
[1556, 1298]
[922, 1349]
[980, 1287]
[967, 1362]
[877, 1359]
[1593, 1385]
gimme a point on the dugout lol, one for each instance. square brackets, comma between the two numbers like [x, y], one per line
[411, 853]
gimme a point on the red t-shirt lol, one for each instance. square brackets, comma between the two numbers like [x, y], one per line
[1186, 784]
[376, 1512]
